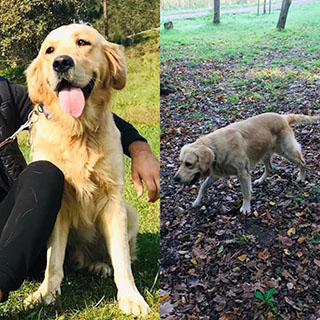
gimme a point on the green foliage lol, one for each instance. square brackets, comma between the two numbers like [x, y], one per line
[266, 299]
[14, 74]
[128, 17]
[315, 237]
[24, 26]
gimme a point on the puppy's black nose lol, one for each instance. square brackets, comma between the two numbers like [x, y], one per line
[177, 178]
[62, 63]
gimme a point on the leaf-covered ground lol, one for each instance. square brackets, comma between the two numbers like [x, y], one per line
[214, 259]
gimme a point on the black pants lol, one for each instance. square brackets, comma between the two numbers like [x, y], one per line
[27, 217]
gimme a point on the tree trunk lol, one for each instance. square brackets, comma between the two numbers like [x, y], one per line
[105, 19]
[264, 6]
[258, 9]
[283, 14]
[269, 6]
[216, 11]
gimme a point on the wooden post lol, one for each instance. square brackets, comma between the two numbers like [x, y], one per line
[216, 11]
[105, 19]
[283, 14]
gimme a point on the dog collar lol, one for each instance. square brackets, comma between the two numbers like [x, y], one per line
[214, 163]
[41, 109]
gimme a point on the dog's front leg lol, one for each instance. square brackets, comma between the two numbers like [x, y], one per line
[245, 183]
[203, 190]
[50, 287]
[114, 228]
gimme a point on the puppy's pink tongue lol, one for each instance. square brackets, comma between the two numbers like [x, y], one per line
[72, 101]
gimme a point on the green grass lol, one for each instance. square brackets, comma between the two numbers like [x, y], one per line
[86, 297]
[243, 36]
[223, 6]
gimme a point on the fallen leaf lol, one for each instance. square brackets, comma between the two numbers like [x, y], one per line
[166, 308]
[220, 249]
[264, 254]
[164, 297]
[191, 271]
[242, 257]
[301, 239]
[291, 231]
[286, 252]
[301, 214]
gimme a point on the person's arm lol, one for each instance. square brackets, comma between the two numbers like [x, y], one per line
[128, 133]
[144, 165]
[22, 101]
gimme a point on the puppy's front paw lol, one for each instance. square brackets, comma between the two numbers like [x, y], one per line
[42, 296]
[196, 204]
[246, 208]
[133, 304]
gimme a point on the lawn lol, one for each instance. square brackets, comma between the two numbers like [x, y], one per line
[214, 260]
[86, 297]
[243, 36]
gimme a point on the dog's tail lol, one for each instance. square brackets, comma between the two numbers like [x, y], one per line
[301, 118]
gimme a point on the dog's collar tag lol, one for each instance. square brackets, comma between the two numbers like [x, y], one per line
[41, 109]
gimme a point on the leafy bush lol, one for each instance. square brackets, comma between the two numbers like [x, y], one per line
[14, 74]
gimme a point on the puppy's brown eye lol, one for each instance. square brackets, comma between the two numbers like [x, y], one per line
[49, 50]
[188, 164]
[82, 42]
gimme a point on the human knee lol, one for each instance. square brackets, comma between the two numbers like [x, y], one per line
[46, 174]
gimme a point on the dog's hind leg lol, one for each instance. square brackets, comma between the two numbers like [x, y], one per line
[50, 287]
[203, 190]
[267, 170]
[245, 183]
[133, 228]
[114, 226]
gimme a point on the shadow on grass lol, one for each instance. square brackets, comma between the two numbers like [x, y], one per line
[84, 293]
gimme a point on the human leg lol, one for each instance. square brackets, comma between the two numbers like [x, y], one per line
[28, 214]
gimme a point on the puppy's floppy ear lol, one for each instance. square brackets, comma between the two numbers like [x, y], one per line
[206, 158]
[36, 86]
[117, 64]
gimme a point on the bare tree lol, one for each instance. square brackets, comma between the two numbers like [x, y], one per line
[105, 19]
[216, 11]
[283, 14]
[269, 6]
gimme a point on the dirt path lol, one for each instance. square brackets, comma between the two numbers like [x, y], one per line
[275, 6]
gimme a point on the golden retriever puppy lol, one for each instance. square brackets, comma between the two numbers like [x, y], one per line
[237, 148]
[73, 77]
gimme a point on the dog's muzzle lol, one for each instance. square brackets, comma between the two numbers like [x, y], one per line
[178, 179]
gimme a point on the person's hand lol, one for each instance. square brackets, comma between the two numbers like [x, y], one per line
[145, 167]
